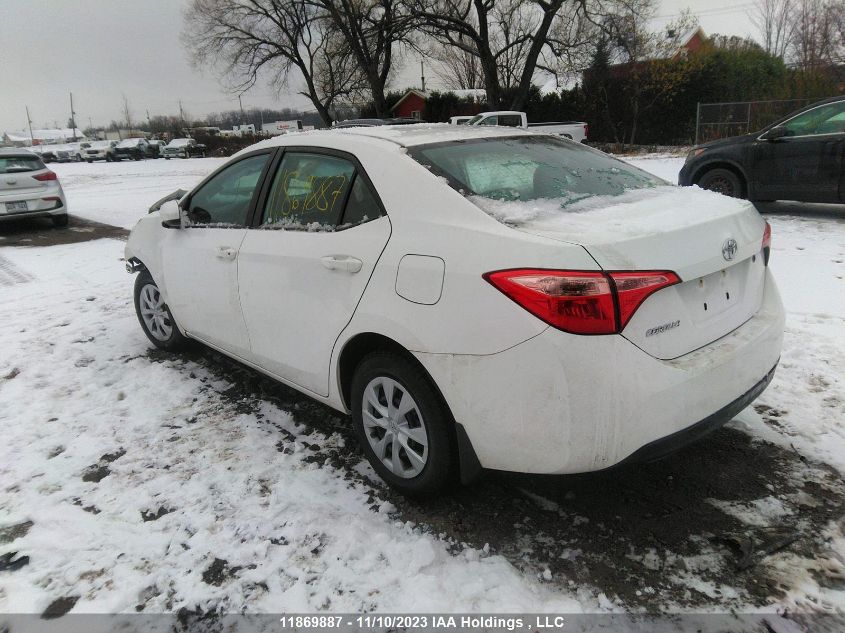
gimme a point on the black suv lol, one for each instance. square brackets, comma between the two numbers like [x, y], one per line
[800, 157]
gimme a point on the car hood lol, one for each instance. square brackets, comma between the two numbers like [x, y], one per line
[728, 142]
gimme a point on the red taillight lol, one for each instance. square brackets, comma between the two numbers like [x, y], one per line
[767, 243]
[47, 175]
[581, 302]
[632, 288]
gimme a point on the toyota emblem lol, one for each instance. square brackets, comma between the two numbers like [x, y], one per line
[729, 249]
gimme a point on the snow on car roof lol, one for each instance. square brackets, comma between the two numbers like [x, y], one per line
[400, 135]
[425, 133]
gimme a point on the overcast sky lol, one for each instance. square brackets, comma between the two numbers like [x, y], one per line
[104, 49]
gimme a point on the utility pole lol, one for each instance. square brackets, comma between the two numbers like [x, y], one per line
[149, 124]
[240, 103]
[72, 117]
[181, 118]
[422, 75]
[29, 123]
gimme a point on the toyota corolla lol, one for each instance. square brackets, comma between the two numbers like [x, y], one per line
[476, 298]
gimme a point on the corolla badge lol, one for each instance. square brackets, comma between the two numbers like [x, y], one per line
[729, 249]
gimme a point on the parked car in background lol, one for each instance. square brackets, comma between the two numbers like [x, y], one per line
[28, 189]
[575, 130]
[55, 153]
[78, 150]
[183, 148]
[460, 120]
[99, 150]
[155, 148]
[799, 157]
[131, 148]
[602, 315]
[373, 122]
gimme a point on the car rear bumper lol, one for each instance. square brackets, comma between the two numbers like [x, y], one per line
[36, 205]
[684, 437]
[559, 403]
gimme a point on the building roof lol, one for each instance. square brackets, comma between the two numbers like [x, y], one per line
[56, 134]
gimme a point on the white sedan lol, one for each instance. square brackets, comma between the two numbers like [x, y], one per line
[474, 297]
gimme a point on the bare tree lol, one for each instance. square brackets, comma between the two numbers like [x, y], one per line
[774, 22]
[816, 40]
[572, 43]
[456, 68]
[373, 31]
[276, 37]
[127, 114]
[507, 37]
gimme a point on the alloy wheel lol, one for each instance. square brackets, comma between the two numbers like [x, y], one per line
[154, 313]
[394, 427]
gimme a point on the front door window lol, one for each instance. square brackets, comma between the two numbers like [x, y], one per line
[225, 199]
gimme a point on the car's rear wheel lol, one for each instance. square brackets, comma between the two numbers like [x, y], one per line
[722, 181]
[403, 425]
[154, 315]
[59, 220]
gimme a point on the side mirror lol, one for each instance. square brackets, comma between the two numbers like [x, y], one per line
[170, 214]
[776, 133]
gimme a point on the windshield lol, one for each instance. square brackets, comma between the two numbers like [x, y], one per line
[524, 168]
[19, 164]
[130, 142]
[178, 142]
[475, 119]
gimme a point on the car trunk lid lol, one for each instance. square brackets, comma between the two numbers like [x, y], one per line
[17, 183]
[713, 243]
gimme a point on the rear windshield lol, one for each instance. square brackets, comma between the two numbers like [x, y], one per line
[19, 164]
[524, 168]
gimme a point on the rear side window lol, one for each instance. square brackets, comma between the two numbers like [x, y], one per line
[308, 192]
[19, 164]
[362, 205]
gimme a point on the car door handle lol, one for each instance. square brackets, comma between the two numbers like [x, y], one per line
[226, 252]
[342, 262]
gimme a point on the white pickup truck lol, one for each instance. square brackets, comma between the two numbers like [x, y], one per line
[576, 130]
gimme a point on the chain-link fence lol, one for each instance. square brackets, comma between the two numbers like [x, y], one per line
[721, 120]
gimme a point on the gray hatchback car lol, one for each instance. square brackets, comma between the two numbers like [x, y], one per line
[28, 189]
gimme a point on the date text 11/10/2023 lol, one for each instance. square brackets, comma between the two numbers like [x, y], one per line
[428, 622]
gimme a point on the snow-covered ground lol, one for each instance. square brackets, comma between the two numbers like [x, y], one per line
[120, 193]
[133, 479]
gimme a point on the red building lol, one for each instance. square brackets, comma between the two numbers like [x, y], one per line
[411, 105]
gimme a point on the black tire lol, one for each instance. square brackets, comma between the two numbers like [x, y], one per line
[176, 340]
[722, 181]
[89, 161]
[59, 220]
[440, 464]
